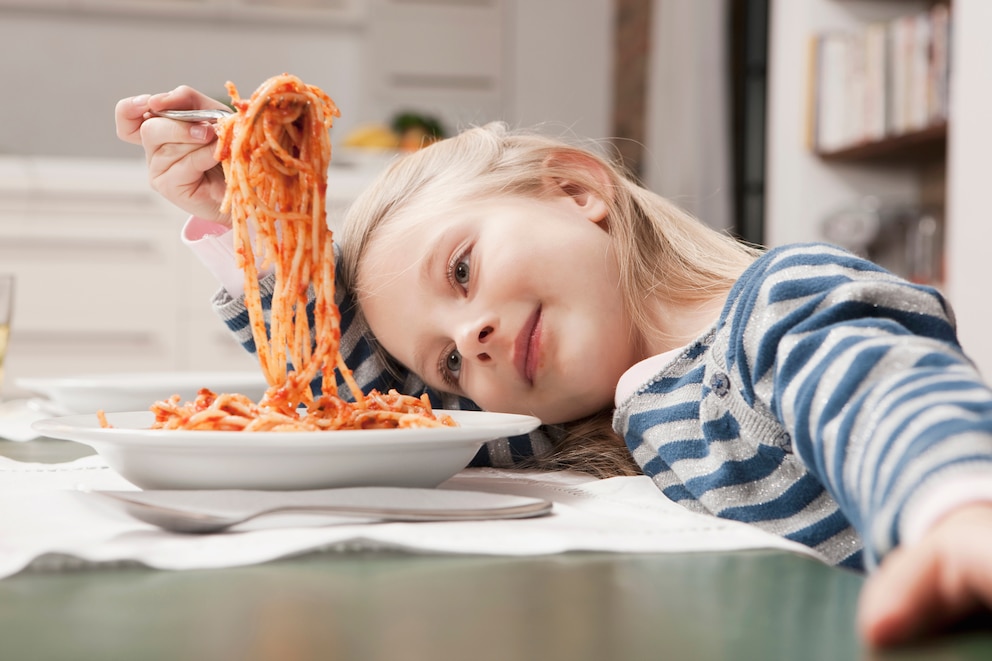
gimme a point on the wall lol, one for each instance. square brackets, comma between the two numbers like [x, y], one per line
[556, 54]
[969, 232]
[83, 64]
[561, 61]
[802, 190]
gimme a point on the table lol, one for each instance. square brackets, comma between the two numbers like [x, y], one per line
[366, 606]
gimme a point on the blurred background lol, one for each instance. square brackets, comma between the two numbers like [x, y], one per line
[758, 116]
[581, 67]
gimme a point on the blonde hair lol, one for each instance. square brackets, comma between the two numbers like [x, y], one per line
[661, 249]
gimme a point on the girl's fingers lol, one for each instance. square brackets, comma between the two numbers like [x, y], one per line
[157, 131]
[188, 175]
[900, 600]
[202, 158]
[182, 98]
[129, 114]
[170, 147]
[180, 163]
[189, 183]
[923, 588]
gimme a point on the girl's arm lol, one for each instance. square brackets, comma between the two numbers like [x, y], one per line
[180, 155]
[865, 371]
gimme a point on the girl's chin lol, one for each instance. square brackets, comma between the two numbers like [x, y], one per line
[558, 412]
[557, 417]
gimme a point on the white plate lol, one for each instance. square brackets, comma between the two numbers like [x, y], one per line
[137, 391]
[162, 459]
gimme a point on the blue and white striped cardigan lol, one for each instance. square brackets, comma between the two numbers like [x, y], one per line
[827, 393]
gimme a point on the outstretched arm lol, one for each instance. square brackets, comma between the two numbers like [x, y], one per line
[882, 406]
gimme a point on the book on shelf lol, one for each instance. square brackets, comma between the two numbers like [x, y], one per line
[884, 80]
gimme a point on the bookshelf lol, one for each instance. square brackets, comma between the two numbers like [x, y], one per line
[881, 88]
[922, 145]
[941, 166]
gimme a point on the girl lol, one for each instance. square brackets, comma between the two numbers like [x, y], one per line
[802, 389]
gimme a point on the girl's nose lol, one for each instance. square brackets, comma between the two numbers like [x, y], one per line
[477, 340]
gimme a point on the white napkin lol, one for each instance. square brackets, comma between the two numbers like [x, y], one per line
[48, 524]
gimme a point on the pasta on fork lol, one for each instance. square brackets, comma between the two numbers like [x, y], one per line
[275, 151]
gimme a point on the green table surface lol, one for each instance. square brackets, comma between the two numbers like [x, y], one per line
[366, 606]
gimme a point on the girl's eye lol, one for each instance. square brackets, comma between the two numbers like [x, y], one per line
[459, 271]
[451, 367]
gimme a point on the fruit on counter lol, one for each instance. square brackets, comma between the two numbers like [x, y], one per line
[372, 136]
[408, 131]
[416, 130]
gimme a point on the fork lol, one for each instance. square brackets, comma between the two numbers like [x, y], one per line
[216, 511]
[205, 115]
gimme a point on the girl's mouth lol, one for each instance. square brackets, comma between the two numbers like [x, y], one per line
[526, 348]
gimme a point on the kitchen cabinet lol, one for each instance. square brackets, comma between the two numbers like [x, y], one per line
[546, 63]
[103, 282]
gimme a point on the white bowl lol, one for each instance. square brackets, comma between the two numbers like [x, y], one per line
[163, 459]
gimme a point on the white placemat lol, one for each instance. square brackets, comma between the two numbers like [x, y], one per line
[50, 522]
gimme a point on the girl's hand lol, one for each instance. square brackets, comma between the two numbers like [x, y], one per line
[925, 587]
[180, 155]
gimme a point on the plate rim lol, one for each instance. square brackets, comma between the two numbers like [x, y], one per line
[69, 428]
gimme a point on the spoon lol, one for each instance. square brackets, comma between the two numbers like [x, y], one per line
[207, 115]
[216, 511]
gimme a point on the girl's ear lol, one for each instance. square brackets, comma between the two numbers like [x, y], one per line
[581, 177]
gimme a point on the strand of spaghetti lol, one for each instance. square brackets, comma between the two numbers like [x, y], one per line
[327, 311]
[253, 303]
[241, 201]
[295, 294]
[349, 378]
[316, 275]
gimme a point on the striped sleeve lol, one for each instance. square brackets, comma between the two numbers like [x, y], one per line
[865, 372]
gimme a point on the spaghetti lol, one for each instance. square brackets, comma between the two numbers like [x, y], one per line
[275, 151]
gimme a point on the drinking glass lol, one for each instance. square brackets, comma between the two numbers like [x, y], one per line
[6, 310]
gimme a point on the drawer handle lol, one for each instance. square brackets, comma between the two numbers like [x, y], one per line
[82, 246]
[459, 3]
[81, 340]
[41, 198]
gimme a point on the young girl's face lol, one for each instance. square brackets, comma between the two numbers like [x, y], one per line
[511, 302]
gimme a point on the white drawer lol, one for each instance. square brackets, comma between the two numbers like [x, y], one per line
[93, 280]
[54, 353]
